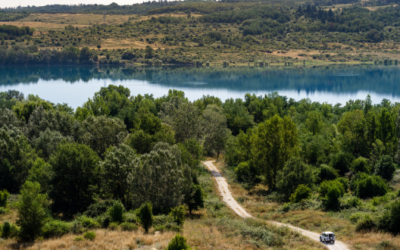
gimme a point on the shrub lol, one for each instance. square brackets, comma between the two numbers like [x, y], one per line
[130, 217]
[3, 210]
[104, 220]
[113, 226]
[294, 173]
[4, 198]
[145, 214]
[360, 164]
[366, 224]
[385, 167]
[127, 226]
[56, 228]
[99, 208]
[178, 215]
[116, 212]
[326, 173]
[342, 162]
[88, 222]
[344, 182]
[330, 192]
[390, 220]
[352, 202]
[370, 186]
[355, 217]
[89, 235]
[302, 192]
[245, 172]
[178, 243]
[78, 239]
[6, 230]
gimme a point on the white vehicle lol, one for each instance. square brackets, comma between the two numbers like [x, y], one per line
[327, 237]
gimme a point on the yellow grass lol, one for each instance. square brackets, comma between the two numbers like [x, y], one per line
[76, 19]
[105, 239]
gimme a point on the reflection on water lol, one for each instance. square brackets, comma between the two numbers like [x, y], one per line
[74, 84]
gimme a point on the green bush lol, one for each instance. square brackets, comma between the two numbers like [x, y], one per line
[9, 230]
[302, 192]
[116, 212]
[366, 224]
[4, 198]
[104, 220]
[390, 220]
[3, 210]
[171, 227]
[351, 202]
[355, 217]
[385, 167]
[145, 214]
[89, 235]
[88, 222]
[56, 228]
[330, 192]
[245, 172]
[99, 208]
[344, 182]
[178, 215]
[6, 230]
[113, 226]
[326, 173]
[178, 243]
[360, 164]
[370, 186]
[127, 226]
[78, 239]
[342, 162]
[131, 217]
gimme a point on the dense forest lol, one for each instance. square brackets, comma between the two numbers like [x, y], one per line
[119, 152]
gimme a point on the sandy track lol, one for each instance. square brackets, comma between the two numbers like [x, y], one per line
[232, 203]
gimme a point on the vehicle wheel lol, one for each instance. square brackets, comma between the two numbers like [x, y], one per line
[333, 242]
[320, 239]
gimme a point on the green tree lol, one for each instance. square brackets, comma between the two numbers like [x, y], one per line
[159, 177]
[101, 133]
[76, 175]
[314, 122]
[294, 173]
[178, 215]
[238, 118]
[42, 173]
[4, 198]
[274, 142]
[194, 198]
[326, 173]
[46, 143]
[32, 211]
[215, 132]
[85, 55]
[116, 212]
[385, 167]
[302, 192]
[360, 164]
[140, 141]
[16, 158]
[367, 186]
[116, 167]
[342, 162]
[9, 119]
[145, 215]
[148, 53]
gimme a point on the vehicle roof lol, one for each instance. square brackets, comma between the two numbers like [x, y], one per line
[328, 233]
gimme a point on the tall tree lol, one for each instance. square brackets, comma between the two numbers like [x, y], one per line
[76, 175]
[274, 142]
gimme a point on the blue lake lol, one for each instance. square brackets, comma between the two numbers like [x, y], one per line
[333, 84]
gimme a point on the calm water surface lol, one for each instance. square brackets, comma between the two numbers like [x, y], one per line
[335, 84]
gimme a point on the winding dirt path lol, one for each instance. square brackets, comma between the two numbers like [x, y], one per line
[232, 203]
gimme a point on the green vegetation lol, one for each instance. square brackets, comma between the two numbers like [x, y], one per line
[231, 32]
